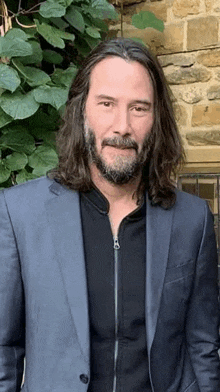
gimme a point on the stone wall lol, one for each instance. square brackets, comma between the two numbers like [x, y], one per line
[189, 51]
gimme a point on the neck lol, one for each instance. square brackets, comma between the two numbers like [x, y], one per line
[115, 193]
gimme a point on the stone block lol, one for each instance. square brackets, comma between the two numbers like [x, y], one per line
[207, 115]
[208, 5]
[171, 40]
[180, 114]
[216, 7]
[191, 94]
[182, 59]
[182, 8]
[182, 75]
[209, 58]
[202, 32]
[203, 138]
[213, 92]
[158, 8]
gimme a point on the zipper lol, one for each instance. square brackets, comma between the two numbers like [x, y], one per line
[116, 249]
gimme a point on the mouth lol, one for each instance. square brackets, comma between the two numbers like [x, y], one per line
[127, 145]
[120, 147]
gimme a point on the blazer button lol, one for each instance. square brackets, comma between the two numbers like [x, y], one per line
[84, 378]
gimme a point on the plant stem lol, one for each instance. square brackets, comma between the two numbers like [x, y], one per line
[19, 6]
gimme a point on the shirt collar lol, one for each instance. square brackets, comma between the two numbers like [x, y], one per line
[99, 201]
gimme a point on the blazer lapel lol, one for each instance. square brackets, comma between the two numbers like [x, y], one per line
[158, 231]
[64, 218]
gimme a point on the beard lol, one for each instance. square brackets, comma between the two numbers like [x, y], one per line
[124, 168]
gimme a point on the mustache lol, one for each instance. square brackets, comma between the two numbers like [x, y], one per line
[122, 143]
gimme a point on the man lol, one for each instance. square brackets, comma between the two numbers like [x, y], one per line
[108, 276]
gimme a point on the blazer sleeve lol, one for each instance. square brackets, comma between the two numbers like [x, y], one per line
[11, 306]
[202, 325]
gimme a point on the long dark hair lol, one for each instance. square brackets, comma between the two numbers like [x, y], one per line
[167, 151]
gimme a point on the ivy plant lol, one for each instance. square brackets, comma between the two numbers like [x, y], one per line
[42, 45]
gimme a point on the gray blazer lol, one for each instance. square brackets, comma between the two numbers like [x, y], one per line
[43, 294]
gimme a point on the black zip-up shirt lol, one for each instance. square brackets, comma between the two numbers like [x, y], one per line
[125, 364]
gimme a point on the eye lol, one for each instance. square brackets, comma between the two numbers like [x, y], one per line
[140, 110]
[106, 104]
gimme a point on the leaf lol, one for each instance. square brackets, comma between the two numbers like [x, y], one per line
[4, 118]
[17, 105]
[34, 76]
[60, 23]
[53, 35]
[13, 48]
[52, 8]
[23, 176]
[93, 32]
[4, 172]
[66, 3]
[44, 157]
[47, 32]
[50, 56]
[99, 23]
[64, 78]
[16, 33]
[101, 9]
[37, 55]
[75, 19]
[16, 161]
[55, 96]
[18, 140]
[41, 122]
[92, 42]
[147, 19]
[9, 79]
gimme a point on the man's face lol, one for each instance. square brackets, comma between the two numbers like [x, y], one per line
[118, 118]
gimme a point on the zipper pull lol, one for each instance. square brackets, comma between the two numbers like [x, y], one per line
[116, 243]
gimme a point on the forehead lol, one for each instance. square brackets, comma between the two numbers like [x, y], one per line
[115, 73]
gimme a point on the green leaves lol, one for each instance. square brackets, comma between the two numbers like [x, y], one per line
[54, 36]
[14, 47]
[16, 161]
[52, 8]
[43, 159]
[55, 96]
[4, 118]
[4, 172]
[52, 57]
[93, 32]
[100, 9]
[18, 140]
[33, 76]
[9, 79]
[64, 78]
[36, 56]
[75, 19]
[147, 19]
[18, 105]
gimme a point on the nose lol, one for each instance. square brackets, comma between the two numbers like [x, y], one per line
[122, 124]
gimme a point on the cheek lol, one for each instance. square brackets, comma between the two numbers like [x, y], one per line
[143, 128]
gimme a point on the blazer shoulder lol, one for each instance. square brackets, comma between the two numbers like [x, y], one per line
[189, 199]
[191, 207]
[37, 186]
[32, 193]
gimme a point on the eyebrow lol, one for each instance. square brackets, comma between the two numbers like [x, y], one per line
[140, 101]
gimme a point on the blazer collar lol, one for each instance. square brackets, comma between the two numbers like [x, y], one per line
[158, 232]
[63, 211]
